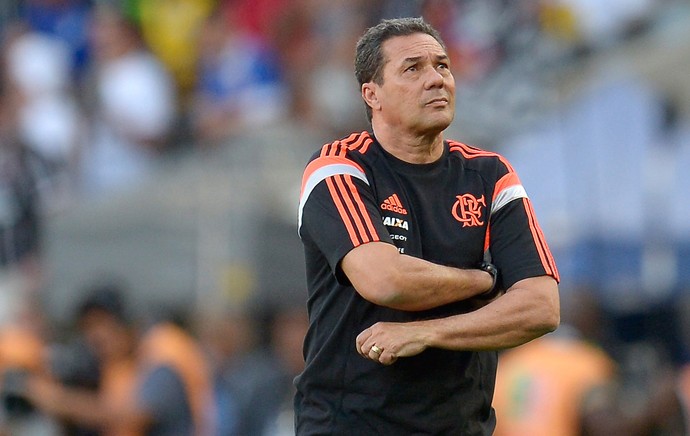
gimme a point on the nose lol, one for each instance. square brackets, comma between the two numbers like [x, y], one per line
[433, 79]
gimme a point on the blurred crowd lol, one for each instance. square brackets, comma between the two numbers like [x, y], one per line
[95, 94]
[113, 373]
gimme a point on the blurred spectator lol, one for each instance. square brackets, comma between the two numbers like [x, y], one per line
[22, 352]
[49, 120]
[21, 220]
[337, 106]
[228, 339]
[66, 20]
[171, 29]
[675, 152]
[260, 379]
[471, 30]
[176, 387]
[133, 108]
[156, 383]
[545, 387]
[567, 384]
[239, 82]
[288, 329]
[258, 17]
[684, 391]
[594, 25]
[295, 40]
[644, 399]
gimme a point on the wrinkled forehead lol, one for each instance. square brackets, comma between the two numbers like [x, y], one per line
[399, 49]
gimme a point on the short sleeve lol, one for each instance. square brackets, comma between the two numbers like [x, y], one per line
[339, 213]
[517, 244]
[163, 396]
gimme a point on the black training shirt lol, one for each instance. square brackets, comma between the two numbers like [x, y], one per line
[451, 212]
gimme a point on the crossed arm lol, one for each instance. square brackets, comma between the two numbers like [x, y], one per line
[385, 277]
[529, 309]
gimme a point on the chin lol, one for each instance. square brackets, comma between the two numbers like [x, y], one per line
[432, 123]
[440, 117]
[440, 124]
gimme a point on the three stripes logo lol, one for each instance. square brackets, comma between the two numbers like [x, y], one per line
[393, 204]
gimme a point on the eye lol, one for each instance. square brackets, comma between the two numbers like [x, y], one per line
[411, 68]
[443, 65]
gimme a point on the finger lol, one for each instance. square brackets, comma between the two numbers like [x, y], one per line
[388, 358]
[374, 353]
[361, 345]
[364, 350]
[362, 337]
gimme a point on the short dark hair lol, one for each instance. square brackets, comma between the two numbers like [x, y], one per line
[104, 297]
[369, 60]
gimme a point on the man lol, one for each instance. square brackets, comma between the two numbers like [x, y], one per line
[404, 324]
[156, 383]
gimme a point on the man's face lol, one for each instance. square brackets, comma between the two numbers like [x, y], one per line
[418, 89]
[109, 337]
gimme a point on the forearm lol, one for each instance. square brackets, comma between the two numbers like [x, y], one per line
[83, 406]
[78, 405]
[385, 277]
[422, 285]
[529, 309]
[511, 320]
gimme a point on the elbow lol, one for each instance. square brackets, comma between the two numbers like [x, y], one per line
[546, 323]
[375, 271]
[385, 289]
[383, 292]
[542, 314]
[551, 321]
[550, 313]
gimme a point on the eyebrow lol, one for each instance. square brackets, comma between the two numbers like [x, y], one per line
[415, 59]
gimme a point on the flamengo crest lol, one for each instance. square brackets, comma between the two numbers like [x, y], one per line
[468, 210]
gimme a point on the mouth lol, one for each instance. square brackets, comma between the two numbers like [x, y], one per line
[439, 101]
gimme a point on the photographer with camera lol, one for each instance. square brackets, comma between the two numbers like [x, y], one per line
[22, 353]
[155, 383]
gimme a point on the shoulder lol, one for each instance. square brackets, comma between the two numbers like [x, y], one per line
[475, 155]
[162, 389]
[350, 147]
[479, 159]
[347, 155]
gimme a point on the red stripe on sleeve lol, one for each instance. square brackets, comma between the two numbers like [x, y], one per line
[354, 209]
[540, 242]
[347, 221]
[362, 208]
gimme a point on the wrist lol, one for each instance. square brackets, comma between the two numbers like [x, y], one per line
[494, 290]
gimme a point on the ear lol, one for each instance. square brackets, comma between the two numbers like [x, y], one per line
[370, 96]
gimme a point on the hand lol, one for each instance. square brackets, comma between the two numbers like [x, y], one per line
[43, 392]
[385, 342]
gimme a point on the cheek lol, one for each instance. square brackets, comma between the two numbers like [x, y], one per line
[451, 88]
[404, 102]
[399, 103]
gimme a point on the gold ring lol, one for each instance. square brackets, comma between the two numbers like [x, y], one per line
[376, 349]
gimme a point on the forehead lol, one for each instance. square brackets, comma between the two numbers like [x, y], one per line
[399, 48]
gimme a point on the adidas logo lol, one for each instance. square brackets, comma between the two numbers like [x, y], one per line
[393, 204]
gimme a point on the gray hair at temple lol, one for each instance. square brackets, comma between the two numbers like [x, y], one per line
[369, 60]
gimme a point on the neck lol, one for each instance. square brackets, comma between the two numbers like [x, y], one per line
[411, 148]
